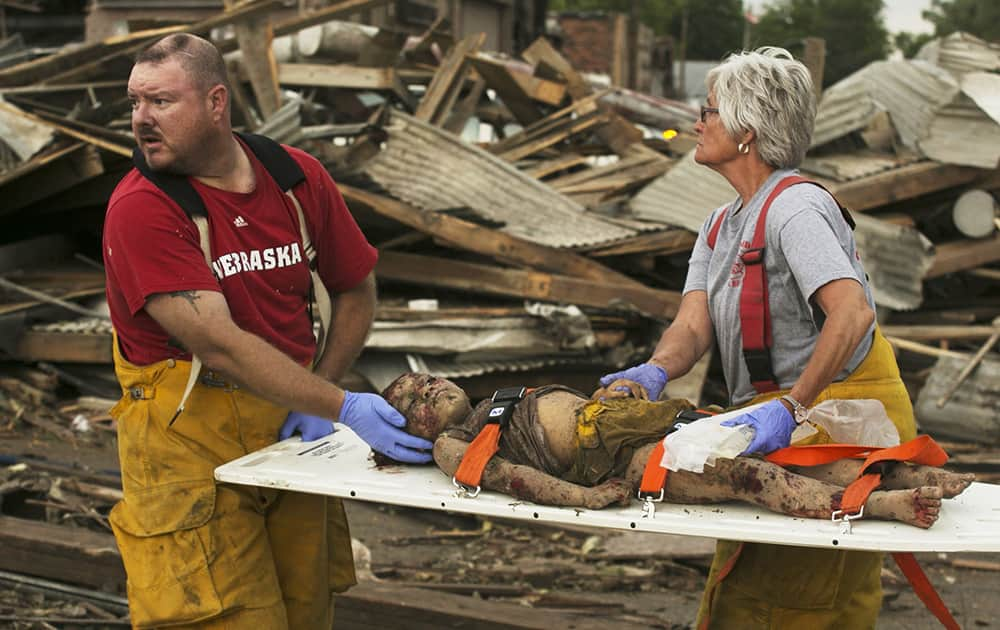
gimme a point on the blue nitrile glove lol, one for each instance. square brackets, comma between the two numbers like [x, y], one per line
[378, 424]
[772, 424]
[311, 427]
[650, 376]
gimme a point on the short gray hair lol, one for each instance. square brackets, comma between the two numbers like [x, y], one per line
[770, 93]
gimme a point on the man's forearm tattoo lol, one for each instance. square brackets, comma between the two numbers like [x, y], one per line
[190, 296]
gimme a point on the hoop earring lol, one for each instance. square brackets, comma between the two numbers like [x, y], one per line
[743, 148]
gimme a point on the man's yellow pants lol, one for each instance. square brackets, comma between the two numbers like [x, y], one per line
[775, 586]
[207, 555]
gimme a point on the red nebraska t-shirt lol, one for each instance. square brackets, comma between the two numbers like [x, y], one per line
[151, 246]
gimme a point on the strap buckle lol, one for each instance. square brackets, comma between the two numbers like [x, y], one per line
[759, 364]
[649, 501]
[463, 491]
[842, 517]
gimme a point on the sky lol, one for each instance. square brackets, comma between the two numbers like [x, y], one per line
[900, 15]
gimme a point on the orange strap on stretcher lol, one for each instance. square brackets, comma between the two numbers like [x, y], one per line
[921, 450]
[485, 445]
[654, 475]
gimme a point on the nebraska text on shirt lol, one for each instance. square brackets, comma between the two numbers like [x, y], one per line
[257, 260]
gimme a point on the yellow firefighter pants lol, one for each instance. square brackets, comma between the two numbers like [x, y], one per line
[205, 555]
[774, 586]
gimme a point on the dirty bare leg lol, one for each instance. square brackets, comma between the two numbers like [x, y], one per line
[909, 476]
[783, 491]
[902, 476]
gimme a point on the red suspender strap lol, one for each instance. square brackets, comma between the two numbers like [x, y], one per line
[924, 589]
[487, 443]
[713, 234]
[713, 586]
[755, 312]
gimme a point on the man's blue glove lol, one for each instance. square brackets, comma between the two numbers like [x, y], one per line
[772, 424]
[378, 424]
[311, 427]
[650, 376]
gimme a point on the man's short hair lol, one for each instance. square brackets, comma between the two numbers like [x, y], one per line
[199, 57]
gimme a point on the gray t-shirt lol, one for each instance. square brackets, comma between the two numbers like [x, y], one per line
[808, 244]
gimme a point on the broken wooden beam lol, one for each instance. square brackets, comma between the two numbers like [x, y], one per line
[479, 278]
[75, 555]
[326, 14]
[964, 255]
[619, 134]
[468, 236]
[443, 91]
[337, 75]
[254, 36]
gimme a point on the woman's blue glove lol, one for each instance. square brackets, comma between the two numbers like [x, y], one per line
[378, 424]
[311, 427]
[772, 423]
[650, 376]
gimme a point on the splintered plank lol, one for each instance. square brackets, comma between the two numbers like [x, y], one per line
[79, 72]
[964, 255]
[48, 175]
[672, 241]
[254, 36]
[478, 278]
[73, 555]
[444, 88]
[61, 347]
[337, 75]
[385, 605]
[466, 235]
[618, 134]
[326, 14]
[500, 78]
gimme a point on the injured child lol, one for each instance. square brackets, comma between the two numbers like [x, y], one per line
[562, 448]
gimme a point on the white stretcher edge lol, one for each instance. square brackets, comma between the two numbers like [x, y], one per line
[339, 465]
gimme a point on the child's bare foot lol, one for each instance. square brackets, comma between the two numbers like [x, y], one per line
[916, 506]
[907, 476]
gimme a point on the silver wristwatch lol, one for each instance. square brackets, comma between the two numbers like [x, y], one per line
[799, 411]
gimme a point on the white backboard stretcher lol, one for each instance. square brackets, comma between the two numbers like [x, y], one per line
[339, 466]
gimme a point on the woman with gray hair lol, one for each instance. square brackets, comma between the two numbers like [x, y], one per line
[776, 280]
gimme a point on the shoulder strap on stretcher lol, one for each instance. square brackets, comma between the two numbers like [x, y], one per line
[287, 174]
[921, 450]
[755, 309]
[485, 445]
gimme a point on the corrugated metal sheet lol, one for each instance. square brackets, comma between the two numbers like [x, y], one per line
[984, 89]
[961, 133]
[684, 196]
[845, 167]
[434, 170]
[896, 258]
[912, 92]
[846, 106]
[478, 337]
[381, 368]
[446, 368]
[960, 53]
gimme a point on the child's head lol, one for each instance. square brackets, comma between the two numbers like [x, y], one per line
[428, 403]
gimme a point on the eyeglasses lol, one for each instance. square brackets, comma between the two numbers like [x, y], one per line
[708, 110]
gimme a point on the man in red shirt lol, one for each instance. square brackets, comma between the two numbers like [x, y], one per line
[198, 553]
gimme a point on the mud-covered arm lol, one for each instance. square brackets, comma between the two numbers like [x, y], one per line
[531, 484]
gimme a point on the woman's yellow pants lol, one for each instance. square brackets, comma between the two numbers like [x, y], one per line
[206, 555]
[774, 586]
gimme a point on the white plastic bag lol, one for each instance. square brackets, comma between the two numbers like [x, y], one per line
[861, 421]
[701, 442]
